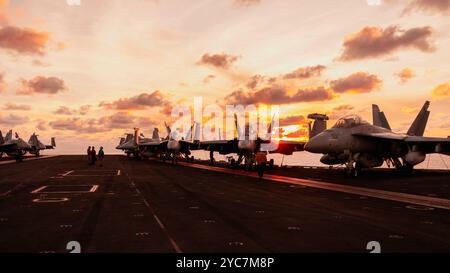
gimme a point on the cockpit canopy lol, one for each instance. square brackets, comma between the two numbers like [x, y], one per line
[350, 121]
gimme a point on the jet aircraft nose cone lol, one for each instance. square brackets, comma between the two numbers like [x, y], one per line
[312, 145]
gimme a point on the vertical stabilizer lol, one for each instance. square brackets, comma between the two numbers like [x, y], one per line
[2, 140]
[155, 135]
[378, 118]
[8, 136]
[319, 124]
[418, 126]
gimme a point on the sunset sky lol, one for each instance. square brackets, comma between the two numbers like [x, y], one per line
[87, 74]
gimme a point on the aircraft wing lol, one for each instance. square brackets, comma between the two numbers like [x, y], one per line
[189, 145]
[7, 147]
[430, 144]
[221, 146]
[49, 147]
[287, 147]
[382, 136]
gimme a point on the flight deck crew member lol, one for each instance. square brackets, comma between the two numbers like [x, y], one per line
[101, 155]
[89, 154]
[93, 155]
[261, 161]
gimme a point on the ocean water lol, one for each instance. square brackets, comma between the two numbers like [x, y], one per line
[433, 161]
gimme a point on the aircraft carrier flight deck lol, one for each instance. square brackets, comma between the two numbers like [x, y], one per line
[149, 206]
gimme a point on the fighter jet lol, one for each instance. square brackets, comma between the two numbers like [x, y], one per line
[358, 144]
[246, 148]
[130, 144]
[16, 147]
[37, 146]
[173, 146]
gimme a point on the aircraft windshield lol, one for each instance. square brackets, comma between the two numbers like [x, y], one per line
[350, 121]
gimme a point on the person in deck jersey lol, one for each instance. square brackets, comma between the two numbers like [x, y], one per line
[101, 155]
[261, 161]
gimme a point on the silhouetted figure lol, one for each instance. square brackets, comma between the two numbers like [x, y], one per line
[93, 156]
[261, 161]
[101, 156]
[89, 154]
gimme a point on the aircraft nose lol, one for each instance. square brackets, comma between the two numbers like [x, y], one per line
[312, 145]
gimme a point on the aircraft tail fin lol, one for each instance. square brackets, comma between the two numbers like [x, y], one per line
[378, 117]
[418, 126]
[2, 139]
[53, 142]
[8, 136]
[169, 131]
[238, 129]
[122, 140]
[197, 132]
[33, 141]
[136, 136]
[319, 124]
[155, 135]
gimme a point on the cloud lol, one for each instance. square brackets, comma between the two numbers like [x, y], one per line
[208, 78]
[300, 133]
[292, 120]
[13, 120]
[372, 42]
[405, 75]
[41, 125]
[305, 72]
[246, 3]
[139, 102]
[41, 85]
[3, 85]
[16, 107]
[63, 110]
[84, 109]
[254, 81]
[340, 111]
[223, 60]
[23, 40]
[279, 95]
[119, 120]
[78, 125]
[359, 82]
[442, 91]
[428, 6]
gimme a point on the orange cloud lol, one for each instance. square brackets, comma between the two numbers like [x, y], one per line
[223, 60]
[139, 102]
[23, 40]
[428, 6]
[359, 82]
[305, 72]
[280, 95]
[16, 107]
[405, 75]
[41, 85]
[372, 42]
[442, 91]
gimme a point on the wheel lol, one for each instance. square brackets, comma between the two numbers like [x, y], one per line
[192, 159]
[271, 163]
[233, 162]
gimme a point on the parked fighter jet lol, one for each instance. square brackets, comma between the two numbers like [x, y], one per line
[130, 144]
[36, 146]
[246, 148]
[16, 148]
[358, 144]
[173, 145]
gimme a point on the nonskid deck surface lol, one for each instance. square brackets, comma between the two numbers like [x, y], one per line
[148, 206]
